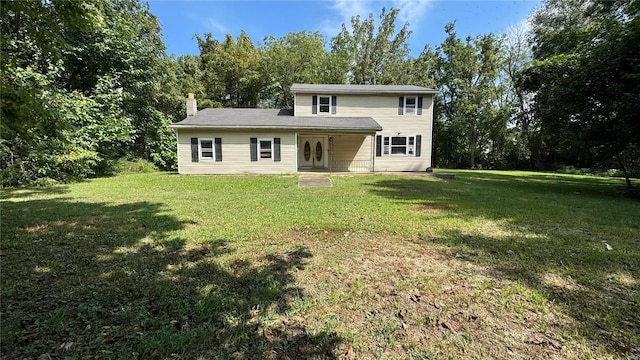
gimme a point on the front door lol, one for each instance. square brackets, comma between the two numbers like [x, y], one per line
[313, 152]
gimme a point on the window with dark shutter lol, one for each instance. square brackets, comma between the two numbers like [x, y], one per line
[314, 104]
[218, 143]
[276, 149]
[379, 145]
[401, 105]
[194, 149]
[254, 149]
[418, 145]
[419, 105]
[334, 104]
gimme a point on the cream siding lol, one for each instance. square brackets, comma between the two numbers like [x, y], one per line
[351, 152]
[236, 153]
[384, 110]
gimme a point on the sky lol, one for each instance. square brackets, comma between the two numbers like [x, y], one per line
[182, 19]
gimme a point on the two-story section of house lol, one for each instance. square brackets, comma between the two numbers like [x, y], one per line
[332, 128]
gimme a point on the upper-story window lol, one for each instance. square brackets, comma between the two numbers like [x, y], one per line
[410, 105]
[324, 104]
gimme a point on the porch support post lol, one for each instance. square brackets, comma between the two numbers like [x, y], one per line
[373, 152]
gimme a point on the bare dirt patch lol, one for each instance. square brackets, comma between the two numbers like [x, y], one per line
[430, 207]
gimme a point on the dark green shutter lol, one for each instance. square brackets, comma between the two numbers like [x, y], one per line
[218, 142]
[401, 105]
[379, 145]
[314, 104]
[334, 104]
[418, 145]
[419, 105]
[194, 149]
[254, 149]
[276, 149]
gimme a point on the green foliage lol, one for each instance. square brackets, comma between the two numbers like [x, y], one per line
[83, 83]
[296, 58]
[586, 82]
[231, 70]
[472, 121]
[373, 57]
[126, 166]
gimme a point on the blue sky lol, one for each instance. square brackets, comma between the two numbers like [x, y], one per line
[181, 19]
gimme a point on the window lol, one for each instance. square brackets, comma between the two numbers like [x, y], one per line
[399, 145]
[410, 105]
[265, 149]
[206, 149]
[324, 104]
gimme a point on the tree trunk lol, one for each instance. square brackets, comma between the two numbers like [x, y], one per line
[624, 169]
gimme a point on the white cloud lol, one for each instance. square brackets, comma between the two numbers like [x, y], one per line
[411, 10]
[215, 26]
[341, 11]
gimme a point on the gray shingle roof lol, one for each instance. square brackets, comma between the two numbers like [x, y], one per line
[225, 118]
[360, 89]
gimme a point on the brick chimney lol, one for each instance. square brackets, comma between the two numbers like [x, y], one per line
[192, 105]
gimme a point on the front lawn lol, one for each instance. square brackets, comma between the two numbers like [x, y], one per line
[160, 266]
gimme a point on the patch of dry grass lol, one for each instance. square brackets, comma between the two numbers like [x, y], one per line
[496, 265]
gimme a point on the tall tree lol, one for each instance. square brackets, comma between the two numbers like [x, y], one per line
[296, 58]
[370, 56]
[466, 73]
[586, 79]
[232, 69]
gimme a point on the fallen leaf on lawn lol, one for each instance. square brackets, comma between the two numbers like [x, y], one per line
[204, 250]
[449, 292]
[393, 293]
[325, 232]
[416, 297]
[402, 314]
[154, 354]
[404, 325]
[66, 345]
[268, 335]
[451, 325]
[288, 322]
[349, 355]
[435, 305]
[299, 319]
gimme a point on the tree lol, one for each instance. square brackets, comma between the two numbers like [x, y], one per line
[232, 70]
[467, 72]
[81, 85]
[369, 56]
[295, 58]
[586, 80]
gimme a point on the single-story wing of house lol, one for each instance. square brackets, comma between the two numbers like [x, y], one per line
[333, 128]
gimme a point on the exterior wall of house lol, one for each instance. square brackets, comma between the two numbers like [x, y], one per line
[236, 153]
[351, 152]
[384, 109]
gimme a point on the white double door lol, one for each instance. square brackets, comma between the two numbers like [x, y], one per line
[313, 152]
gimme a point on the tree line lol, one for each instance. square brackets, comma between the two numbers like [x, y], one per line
[87, 83]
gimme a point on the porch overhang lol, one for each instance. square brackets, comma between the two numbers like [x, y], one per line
[269, 119]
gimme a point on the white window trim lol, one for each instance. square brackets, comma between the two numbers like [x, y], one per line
[259, 149]
[388, 152]
[415, 108]
[213, 149]
[331, 105]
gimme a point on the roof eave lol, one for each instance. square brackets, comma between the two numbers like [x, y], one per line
[209, 127]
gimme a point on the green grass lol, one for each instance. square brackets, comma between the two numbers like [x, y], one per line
[156, 265]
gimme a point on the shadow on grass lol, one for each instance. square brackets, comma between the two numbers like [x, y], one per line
[551, 239]
[83, 279]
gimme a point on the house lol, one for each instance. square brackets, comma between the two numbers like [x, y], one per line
[333, 128]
